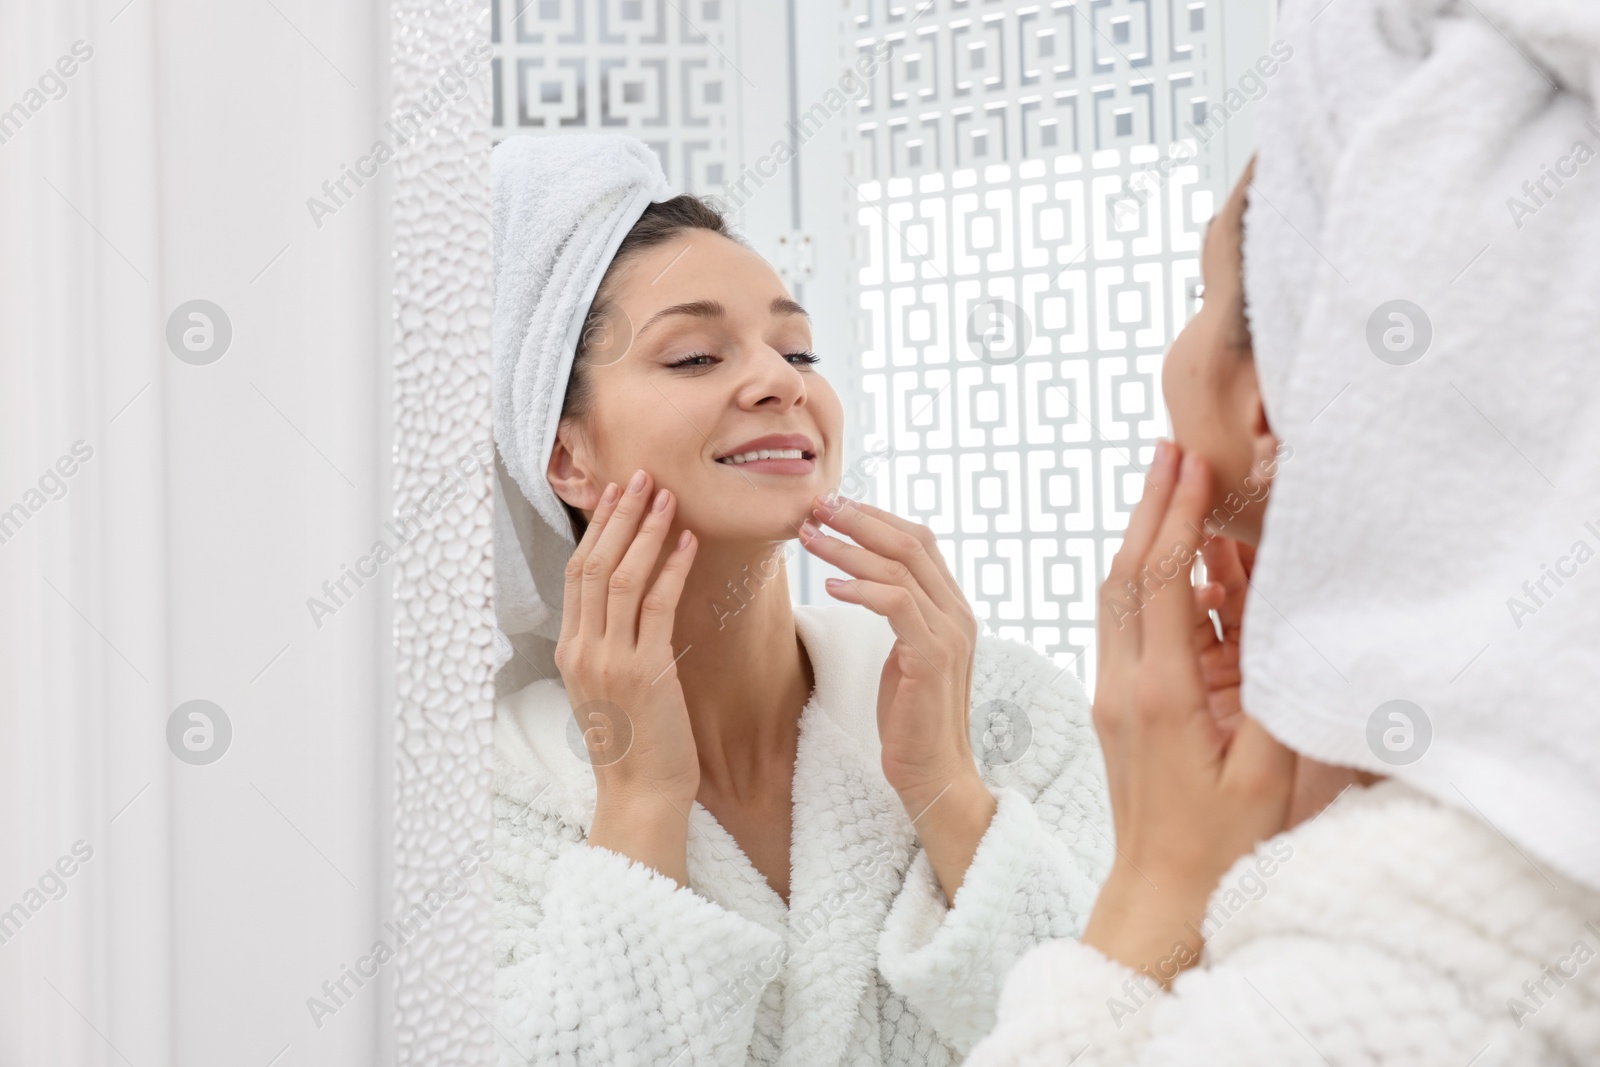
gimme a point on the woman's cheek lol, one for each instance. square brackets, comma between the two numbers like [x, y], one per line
[1177, 387]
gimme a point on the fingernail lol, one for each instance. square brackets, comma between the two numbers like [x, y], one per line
[683, 539]
[808, 530]
[637, 482]
[1190, 468]
[1163, 460]
[660, 502]
[610, 495]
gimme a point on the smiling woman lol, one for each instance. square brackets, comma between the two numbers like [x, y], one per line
[749, 837]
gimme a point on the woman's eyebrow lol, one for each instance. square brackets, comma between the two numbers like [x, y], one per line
[704, 309]
[710, 309]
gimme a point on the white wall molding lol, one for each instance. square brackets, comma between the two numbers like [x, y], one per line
[176, 165]
[84, 665]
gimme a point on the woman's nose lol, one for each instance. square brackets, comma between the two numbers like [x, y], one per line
[774, 381]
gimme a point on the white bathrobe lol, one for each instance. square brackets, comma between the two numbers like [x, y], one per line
[1389, 929]
[601, 960]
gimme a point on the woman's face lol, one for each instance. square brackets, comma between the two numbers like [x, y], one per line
[1209, 381]
[704, 357]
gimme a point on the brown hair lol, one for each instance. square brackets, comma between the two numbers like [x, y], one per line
[661, 221]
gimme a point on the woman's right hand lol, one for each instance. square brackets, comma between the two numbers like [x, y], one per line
[615, 653]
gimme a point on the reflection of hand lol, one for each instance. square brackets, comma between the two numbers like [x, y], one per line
[1189, 795]
[925, 689]
[924, 696]
[615, 656]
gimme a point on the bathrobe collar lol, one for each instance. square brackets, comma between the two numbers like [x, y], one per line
[852, 839]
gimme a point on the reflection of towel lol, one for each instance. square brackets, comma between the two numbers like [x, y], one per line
[562, 205]
[1436, 537]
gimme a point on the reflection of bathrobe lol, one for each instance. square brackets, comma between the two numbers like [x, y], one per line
[603, 961]
[1389, 929]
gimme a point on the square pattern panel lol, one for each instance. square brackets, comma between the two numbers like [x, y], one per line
[655, 69]
[1024, 252]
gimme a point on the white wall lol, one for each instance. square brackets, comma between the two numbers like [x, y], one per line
[177, 565]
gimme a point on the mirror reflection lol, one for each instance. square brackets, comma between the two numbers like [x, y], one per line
[1005, 574]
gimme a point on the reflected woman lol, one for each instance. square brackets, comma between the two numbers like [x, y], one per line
[807, 834]
[1372, 810]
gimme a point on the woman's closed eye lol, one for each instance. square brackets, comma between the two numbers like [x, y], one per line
[806, 358]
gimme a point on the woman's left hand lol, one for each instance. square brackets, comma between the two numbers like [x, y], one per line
[925, 690]
[1228, 567]
[1192, 787]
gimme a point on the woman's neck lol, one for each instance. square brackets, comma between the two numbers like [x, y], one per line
[744, 673]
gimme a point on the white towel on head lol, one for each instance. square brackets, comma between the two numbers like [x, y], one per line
[1435, 537]
[562, 205]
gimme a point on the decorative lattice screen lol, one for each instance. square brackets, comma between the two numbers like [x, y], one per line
[655, 70]
[1023, 257]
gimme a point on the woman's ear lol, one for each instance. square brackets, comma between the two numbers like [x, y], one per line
[1263, 448]
[1263, 442]
[568, 472]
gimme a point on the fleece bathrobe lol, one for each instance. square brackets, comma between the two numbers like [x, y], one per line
[1390, 929]
[601, 960]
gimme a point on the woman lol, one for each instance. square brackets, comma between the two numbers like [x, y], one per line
[775, 841]
[1392, 854]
